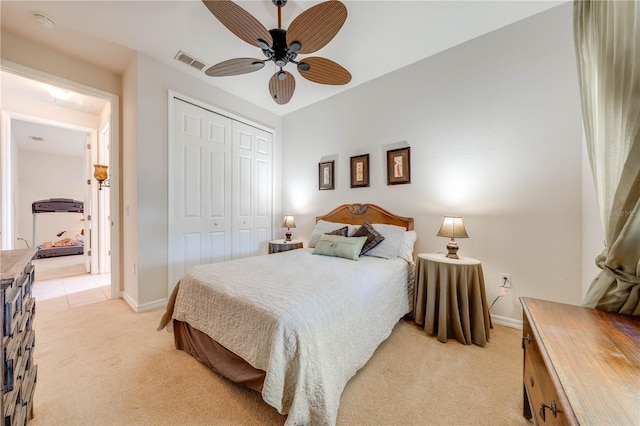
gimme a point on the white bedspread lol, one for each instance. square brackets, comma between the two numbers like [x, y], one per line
[310, 321]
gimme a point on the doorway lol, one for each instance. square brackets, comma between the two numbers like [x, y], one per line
[87, 120]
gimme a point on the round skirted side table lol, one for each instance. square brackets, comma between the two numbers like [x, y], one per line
[277, 246]
[450, 299]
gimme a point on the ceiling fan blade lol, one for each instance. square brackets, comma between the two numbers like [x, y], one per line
[323, 71]
[282, 85]
[315, 27]
[239, 21]
[235, 67]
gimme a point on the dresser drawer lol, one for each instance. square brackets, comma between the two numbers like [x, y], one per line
[11, 403]
[11, 359]
[12, 309]
[543, 399]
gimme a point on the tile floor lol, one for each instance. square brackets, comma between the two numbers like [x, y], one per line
[68, 292]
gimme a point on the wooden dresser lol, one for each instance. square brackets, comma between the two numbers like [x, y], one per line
[581, 365]
[17, 369]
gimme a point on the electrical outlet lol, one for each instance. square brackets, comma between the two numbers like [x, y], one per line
[505, 280]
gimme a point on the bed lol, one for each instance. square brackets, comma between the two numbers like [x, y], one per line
[296, 326]
[70, 246]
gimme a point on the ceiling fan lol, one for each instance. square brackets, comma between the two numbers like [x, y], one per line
[310, 31]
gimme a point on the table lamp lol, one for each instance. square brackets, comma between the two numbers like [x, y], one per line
[288, 223]
[452, 227]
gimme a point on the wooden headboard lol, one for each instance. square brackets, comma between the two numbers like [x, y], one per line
[357, 214]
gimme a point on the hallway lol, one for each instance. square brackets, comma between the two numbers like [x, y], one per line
[62, 282]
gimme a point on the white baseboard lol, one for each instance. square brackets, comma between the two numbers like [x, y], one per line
[145, 306]
[506, 321]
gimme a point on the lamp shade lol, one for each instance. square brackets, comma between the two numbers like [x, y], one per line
[100, 172]
[452, 227]
[288, 222]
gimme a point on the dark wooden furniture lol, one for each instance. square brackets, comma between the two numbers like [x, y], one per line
[277, 246]
[581, 365]
[18, 339]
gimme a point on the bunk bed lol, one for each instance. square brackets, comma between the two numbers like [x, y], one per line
[57, 205]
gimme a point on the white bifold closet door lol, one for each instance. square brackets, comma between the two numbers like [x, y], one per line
[251, 189]
[220, 189]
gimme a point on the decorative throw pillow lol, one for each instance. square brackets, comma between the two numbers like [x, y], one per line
[344, 232]
[339, 246]
[373, 237]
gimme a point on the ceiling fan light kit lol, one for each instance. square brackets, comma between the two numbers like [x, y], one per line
[309, 32]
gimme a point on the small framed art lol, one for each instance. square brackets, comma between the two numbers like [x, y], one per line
[325, 175]
[399, 166]
[360, 171]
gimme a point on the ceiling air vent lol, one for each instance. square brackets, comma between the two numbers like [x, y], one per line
[190, 60]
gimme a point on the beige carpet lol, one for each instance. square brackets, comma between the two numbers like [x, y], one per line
[102, 364]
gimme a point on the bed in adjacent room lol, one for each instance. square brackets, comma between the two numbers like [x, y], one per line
[297, 325]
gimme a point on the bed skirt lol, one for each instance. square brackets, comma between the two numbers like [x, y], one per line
[216, 357]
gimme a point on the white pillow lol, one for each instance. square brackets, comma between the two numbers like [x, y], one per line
[391, 245]
[322, 227]
[406, 246]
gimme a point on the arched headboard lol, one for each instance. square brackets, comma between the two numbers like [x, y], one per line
[357, 214]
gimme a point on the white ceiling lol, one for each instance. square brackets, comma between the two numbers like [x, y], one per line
[40, 135]
[55, 140]
[377, 38]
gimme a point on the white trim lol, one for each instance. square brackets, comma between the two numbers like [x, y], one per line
[114, 157]
[7, 213]
[506, 321]
[219, 111]
[149, 306]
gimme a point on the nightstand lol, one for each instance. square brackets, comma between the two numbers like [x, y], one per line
[277, 246]
[450, 300]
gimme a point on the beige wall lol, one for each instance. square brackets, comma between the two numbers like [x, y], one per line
[40, 58]
[494, 127]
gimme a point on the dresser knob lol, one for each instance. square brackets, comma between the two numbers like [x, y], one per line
[531, 381]
[527, 339]
[551, 406]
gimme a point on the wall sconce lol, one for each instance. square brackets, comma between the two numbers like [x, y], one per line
[288, 223]
[452, 227]
[100, 173]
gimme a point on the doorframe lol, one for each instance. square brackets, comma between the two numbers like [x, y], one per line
[8, 172]
[114, 157]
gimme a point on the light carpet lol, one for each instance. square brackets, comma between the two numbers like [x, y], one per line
[103, 364]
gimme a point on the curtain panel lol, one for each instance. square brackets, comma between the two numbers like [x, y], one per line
[607, 41]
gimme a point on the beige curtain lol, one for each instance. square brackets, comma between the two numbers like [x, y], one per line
[607, 39]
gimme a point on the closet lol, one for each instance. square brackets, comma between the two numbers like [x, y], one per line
[220, 188]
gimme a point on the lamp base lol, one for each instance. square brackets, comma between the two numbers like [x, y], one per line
[287, 236]
[452, 249]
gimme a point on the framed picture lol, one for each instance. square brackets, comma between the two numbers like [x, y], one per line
[360, 171]
[399, 166]
[325, 175]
